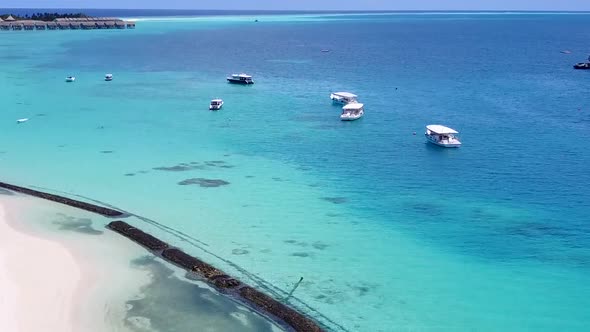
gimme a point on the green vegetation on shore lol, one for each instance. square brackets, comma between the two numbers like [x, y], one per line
[47, 17]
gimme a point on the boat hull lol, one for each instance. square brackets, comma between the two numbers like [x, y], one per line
[444, 144]
[351, 118]
[582, 66]
[239, 82]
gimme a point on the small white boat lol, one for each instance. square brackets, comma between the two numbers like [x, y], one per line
[22, 120]
[240, 79]
[352, 111]
[442, 136]
[216, 104]
[343, 97]
[108, 77]
[70, 79]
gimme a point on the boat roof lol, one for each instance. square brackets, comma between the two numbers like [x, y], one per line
[242, 75]
[345, 94]
[218, 100]
[108, 75]
[439, 129]
[353, 106]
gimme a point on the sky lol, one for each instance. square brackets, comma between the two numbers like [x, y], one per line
[568, 5]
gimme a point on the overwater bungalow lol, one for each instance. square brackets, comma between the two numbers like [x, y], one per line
[29, 25]
[88, 25]
[63, 25]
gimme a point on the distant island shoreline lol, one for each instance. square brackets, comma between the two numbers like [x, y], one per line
[43, 17]
[57, 21]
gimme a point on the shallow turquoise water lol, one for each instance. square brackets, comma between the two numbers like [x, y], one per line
[388, 232]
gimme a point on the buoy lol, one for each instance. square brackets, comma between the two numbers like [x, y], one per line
[22, 120]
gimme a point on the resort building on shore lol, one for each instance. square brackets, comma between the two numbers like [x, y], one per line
[87, 23]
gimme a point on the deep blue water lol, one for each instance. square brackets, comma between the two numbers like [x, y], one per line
[514, 199]
[501, 80]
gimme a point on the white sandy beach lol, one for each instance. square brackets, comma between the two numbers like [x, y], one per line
[56, 281]
[38, 281]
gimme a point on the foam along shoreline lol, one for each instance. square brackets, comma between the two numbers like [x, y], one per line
[27, 304]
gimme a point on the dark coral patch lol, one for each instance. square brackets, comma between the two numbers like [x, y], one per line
[107, 151]
[206, 183]
[336, 200]
[319, 245]
[130, 174]
[301, 254]
[177, 168]
[239, 252]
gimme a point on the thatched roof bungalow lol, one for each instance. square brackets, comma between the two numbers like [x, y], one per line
[28, 25]
[130, 25]
[88, 25]
[63, 25]
[5, 26]
[51, 25]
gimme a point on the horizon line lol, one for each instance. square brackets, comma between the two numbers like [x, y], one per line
[317, 10]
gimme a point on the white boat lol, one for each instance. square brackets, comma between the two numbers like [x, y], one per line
[216, 104]
[70, 79]
[108, 77]
[240, 79]
[343, 97]
[22, 120]
[442, 136]
[352, 111]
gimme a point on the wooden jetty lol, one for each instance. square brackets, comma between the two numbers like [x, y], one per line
[86, 23]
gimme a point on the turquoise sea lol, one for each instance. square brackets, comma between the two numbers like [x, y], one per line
[388, 233]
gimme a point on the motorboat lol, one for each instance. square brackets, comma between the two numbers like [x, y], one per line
[442, 136]
[70, 79]
[583, 65]
[22, 120]
[240, 79]
[343, 97]
[352, 111]
[108, 77]
[216, 104]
